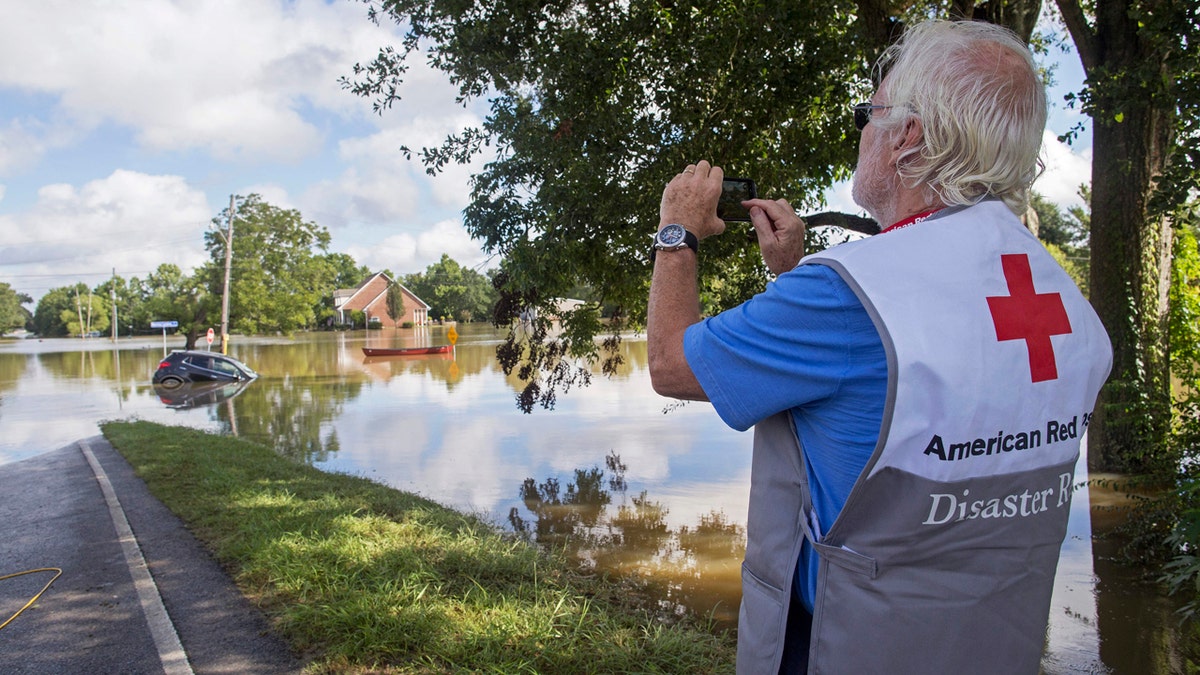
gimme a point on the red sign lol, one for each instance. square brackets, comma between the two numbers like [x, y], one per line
[210, 336]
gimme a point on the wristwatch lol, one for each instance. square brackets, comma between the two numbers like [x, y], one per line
[672, 238]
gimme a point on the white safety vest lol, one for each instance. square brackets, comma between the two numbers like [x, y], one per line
[943, 558]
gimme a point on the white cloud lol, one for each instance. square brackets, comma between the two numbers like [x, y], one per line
[372, 189]
[210, 90]
[25, 139]
[409, 252]
[128, 221]
[838, 198]
[380, 185]
[18, 147]
[1065, 171]
[229, 78]
[273, 194]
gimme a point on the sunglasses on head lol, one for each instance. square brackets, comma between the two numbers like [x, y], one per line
[862, 114]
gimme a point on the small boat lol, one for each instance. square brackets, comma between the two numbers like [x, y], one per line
[407, 351]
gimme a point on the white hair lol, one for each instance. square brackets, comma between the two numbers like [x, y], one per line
[982, 106]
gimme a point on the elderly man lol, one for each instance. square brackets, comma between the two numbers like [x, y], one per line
[918, 397]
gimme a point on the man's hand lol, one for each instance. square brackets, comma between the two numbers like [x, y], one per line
[780, 233]
[690, 199]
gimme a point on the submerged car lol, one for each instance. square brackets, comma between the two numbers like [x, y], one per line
[196, 366]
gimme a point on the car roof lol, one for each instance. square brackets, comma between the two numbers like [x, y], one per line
[201, 352]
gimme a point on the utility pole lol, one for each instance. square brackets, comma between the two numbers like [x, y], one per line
[114, 304]
[228, 237]
[79, 312]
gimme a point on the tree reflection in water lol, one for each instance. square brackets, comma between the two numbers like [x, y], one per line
[689, 569]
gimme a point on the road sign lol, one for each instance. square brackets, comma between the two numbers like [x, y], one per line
[164, 325]
[452, 335]
[211, 336]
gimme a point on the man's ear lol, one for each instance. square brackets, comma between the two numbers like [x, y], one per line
[911, 137]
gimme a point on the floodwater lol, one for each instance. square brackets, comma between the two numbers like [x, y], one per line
[625, 479]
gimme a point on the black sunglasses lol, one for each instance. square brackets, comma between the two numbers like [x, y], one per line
[862, 114]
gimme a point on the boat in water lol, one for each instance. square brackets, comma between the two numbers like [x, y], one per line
[406, 351]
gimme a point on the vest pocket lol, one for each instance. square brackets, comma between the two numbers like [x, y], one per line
[848, 560]
[761, 624]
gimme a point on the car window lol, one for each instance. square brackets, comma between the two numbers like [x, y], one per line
[225, 367]
[200, 362]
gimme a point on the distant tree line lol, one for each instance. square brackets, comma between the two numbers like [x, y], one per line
[12, 315]
[282, 280]
[453, 292]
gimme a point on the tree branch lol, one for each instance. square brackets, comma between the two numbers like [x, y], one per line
[842, 220]
[1081, 33]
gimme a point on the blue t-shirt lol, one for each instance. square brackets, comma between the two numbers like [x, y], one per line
[804, 344]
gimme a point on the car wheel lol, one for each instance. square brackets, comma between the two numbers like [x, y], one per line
[171, 381]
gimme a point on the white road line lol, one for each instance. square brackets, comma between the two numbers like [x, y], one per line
[166, 640]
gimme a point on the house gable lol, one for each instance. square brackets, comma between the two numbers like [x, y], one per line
[370, 297]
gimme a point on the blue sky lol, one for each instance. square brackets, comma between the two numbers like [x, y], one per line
[125, 127]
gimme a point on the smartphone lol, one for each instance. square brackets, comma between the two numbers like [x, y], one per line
[733, 192]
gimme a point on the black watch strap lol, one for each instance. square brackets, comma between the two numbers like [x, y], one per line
[688, 238]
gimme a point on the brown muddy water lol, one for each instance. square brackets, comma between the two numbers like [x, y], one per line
[628, 480]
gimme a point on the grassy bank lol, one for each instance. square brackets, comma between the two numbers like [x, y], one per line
[362, 577]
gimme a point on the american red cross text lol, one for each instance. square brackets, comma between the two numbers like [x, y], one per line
[1025, 314]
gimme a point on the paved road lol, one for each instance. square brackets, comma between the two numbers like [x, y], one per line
[138, 598]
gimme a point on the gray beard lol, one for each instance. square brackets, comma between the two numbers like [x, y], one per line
[872, 190]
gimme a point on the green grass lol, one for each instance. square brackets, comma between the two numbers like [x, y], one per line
[360, 577]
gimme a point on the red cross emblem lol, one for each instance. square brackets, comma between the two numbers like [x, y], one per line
[1025, 314]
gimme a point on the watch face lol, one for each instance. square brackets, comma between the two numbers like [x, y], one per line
[671, 235]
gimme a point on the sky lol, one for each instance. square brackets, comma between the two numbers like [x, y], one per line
[125, 126]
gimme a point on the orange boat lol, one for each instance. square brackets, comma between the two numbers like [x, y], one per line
[407, 351]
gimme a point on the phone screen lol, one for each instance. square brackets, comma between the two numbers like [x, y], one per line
[733, 192]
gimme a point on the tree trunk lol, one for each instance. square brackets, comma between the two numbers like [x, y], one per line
[1130, 277]
[1130, 246]
[1019, 16]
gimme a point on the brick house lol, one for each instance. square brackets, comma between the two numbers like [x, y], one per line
[370, 297]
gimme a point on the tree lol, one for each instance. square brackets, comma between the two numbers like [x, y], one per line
[279, 274]
[395, 301]
[453, 291]
[12, 314]
[70, 310]
[1142, 62]
[86, 312]
[127, 299]
[345, 272]
[1066, 235]
[48, 317]
[594, 106]
[170, 295]
[1056, 227]
[1184, 321]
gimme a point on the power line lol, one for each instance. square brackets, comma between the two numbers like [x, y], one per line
[93, 254]
[65, 274]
